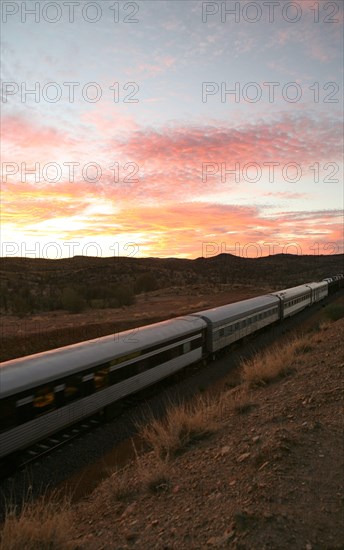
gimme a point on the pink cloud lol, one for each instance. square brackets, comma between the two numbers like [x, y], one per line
[24, 133]
[151, 70]
[292, 139]
[170, 165]
[173, 158]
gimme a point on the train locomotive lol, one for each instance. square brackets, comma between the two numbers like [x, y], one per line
[44, 393]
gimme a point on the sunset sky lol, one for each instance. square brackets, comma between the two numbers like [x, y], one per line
[142, 167]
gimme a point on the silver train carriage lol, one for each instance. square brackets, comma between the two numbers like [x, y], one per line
[229, 323]
[43, 393]
[299, 297]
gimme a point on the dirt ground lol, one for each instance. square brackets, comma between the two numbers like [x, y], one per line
[40, 332]
[270, 478]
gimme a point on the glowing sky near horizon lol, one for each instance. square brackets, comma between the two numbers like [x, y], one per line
[145, 168]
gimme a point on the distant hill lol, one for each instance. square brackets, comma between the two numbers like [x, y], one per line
[38, 284]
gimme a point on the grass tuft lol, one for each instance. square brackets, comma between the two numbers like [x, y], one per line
[43, 525]
[181, 426]
[155, 476]
[120, 486]
[275, 362]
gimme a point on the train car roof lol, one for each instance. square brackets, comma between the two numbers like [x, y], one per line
[317, 284]
[290, 293]
[27, 372]
[238, 309]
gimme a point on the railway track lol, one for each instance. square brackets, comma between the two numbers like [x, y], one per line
[50, 444]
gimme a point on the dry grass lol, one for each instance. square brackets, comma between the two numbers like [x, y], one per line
[335, 311]
[154, 476]
[43, 525]
[120, 486]
[325, 325]
[274, 363]
[237, 400]
[181, 426]
[241, 401]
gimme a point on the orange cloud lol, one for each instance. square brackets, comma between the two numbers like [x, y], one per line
[170, 176]
[190, 228]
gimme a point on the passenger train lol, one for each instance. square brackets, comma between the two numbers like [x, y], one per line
[43, 393]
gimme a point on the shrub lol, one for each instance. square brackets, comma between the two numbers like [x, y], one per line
[145, 283]
[335, 312]
[20, 305]
[124, 295]
[71, 300]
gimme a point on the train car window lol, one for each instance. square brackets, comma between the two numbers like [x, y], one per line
[124, 358]
[24, 409]
[222, 332]
[44, 400]
[87, 384]
[101, 378]
[142, 366]
[117, 376]
[175, 352]
[153, 361]
[7, 413]
[197, 343]
[120, 374]
[73, 388]
[60, 395]
[186, 347]
[130, 370]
